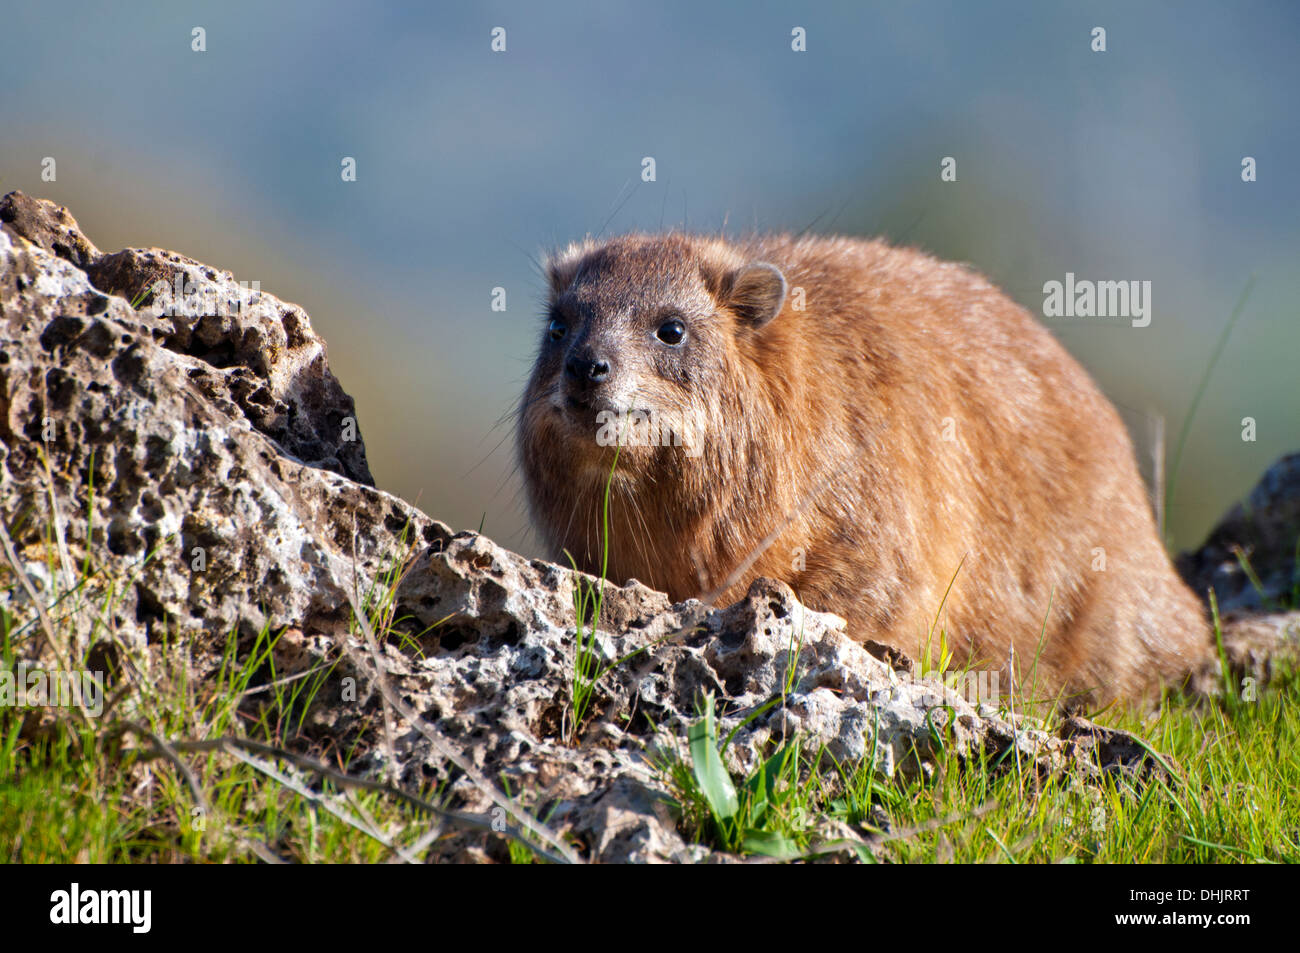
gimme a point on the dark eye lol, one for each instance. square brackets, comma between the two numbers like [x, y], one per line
[671, 332]
[556, 329]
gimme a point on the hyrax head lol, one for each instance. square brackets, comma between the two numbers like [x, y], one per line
[641, 334]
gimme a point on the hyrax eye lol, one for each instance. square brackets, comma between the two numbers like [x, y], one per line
[671, 332]
[556, 329]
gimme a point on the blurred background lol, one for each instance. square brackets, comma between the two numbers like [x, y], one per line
[470, 164]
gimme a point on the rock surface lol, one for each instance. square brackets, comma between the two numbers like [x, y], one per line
[231, 494]
[1263, 529]
[1259, 536]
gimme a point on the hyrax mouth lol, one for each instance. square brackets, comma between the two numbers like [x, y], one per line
[586, 406]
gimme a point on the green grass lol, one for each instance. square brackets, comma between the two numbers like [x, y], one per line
[588, 600]
[87, 789]
[90, 792]
[67, 793]
[84, 793]
[1201, 385]
[1229, 796]
[96, 790]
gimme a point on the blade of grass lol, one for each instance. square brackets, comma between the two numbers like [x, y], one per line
[1200, 388]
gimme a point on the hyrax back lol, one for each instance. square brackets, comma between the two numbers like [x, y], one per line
[896, 423]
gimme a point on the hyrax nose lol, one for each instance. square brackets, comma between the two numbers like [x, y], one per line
[587, 371]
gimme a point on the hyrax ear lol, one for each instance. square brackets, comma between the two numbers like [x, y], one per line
[562, 267]
[560, 273]
[756, 293]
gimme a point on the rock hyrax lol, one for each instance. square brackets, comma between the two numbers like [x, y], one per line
[888, 424]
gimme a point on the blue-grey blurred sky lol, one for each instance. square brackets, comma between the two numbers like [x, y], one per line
[1116, 165]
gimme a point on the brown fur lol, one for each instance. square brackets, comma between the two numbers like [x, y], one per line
[831, 422]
